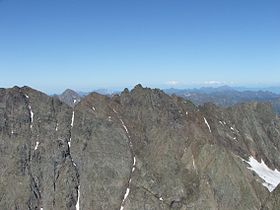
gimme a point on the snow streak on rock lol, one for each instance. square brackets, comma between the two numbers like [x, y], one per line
[74, 164]
[73, 117]
[36, 146]
[31, 115]
[126, 193]
[207, 124]
[72, 123]
[78, 201]
[271, 177]
[124, 126]
[134, 160]
[30, 112]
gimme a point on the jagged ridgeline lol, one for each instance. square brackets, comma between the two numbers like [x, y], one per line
[139, 150]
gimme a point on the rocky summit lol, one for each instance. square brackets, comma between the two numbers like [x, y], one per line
[139, 150]
[70, 97]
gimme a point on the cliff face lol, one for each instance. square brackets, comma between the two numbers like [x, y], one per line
[36, 166]
[138, 150]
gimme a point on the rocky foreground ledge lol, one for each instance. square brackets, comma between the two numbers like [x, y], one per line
[138, 150]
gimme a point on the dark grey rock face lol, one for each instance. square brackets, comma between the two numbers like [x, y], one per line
[138, 150]
[36, 166]
[100, 147]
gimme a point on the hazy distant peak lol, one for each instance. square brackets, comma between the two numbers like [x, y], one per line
[70, 97]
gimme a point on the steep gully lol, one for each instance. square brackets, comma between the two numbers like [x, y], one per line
[133, 167]
[134, 160]
[74, 164]
[34, 185]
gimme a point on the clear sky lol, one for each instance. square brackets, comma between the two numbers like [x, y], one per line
[87, 44]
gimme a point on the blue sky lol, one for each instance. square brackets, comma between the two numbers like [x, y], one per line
[86, 44]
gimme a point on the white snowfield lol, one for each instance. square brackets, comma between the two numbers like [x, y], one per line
[271, 177]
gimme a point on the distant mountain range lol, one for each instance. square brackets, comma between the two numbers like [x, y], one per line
[224, 96]
[227, 96]
[275, 90]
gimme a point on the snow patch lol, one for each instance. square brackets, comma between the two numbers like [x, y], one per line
[31, 115]
[271, 177]
[161, 199]
[56, 127]
[124, 126]
[207, 124]
[126, 193]
[73, 117]
[134, 161]
[125, 196]
[133, 166]
[221, 123]
[37, 144]
[93, 108]
[78, 201]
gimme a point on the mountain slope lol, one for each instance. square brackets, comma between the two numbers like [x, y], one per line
[142, 149]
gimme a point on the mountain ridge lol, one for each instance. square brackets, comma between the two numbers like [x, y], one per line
[141, 149]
